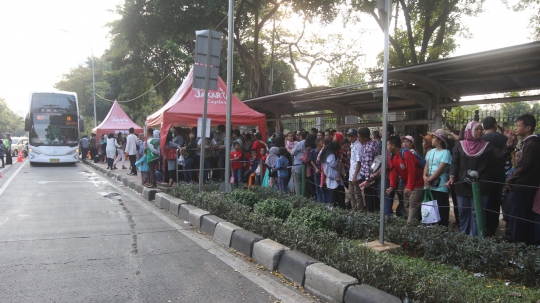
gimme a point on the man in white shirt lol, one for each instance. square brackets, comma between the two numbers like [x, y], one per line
[131, 150]
[357, 201]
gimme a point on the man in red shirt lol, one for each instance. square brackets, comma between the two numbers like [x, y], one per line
[410, 170]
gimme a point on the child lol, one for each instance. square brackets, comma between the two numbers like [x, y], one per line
[290, 143]
[236, 164]
[282, 170]
[142, 164]
[254, 163]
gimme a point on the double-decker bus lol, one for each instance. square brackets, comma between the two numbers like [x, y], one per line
[54, 125]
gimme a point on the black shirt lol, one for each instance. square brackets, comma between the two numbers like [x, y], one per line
[496, 165]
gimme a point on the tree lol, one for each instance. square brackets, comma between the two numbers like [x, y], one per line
[428, 29]
[534, 21]
[455, 118]
[10, 122]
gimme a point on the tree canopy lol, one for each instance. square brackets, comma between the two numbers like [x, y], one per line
[10, 122]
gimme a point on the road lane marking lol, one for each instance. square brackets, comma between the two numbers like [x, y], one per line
[3, 188]
[272, 286]
[4, 221]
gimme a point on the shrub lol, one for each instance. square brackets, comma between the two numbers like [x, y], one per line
[311, 217]
[243, 197]
[275, 208]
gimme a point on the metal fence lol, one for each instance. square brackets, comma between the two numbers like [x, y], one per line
[506, 119]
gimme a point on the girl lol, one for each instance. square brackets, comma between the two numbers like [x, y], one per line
[290, 143]
[438, 162]
[171, 163]
[142, 164]
[408, 143]
[282, 170]
[189, 155]
[271, 162]
[120, 151]
[330, 166]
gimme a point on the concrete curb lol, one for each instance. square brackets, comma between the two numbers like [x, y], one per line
[224, 232]
[209, 223]
[292, 265]
[368, 294]
[267, 253]
[326, 282]
[196, 215]
[243, 241]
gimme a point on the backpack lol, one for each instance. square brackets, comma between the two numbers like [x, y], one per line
[420, 158]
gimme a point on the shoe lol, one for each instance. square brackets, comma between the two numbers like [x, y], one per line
[123, 167]
[130, 174]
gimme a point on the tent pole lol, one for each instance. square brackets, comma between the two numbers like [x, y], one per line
[205, 106]
[226, 187]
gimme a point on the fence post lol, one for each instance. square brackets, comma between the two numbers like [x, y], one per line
[478, 208]
[303, 180]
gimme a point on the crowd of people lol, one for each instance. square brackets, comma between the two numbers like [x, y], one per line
[5, 150]
[343, 169]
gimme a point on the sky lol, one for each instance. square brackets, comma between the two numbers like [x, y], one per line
[35, 53]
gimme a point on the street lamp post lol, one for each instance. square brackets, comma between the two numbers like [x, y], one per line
[93, 75]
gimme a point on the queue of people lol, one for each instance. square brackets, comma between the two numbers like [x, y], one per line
[344, 169]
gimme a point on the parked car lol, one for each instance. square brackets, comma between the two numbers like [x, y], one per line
[19, 144]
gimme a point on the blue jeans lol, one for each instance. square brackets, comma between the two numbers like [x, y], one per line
[318, 188]
[207, 166]
[467, 215]
[189, 164]
[388, 202]
[282, 184]
[329, 196]
[237, 174]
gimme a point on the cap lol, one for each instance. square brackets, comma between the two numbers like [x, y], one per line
[441, 134]
[352, 132]
[408, 137]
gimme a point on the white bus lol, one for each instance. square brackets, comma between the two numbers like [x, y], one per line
[54, 125]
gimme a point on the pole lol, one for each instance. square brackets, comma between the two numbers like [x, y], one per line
[205, 105]
[94, 87]
[226, 187]
[386, 21]
[478, 208]
[272, 57]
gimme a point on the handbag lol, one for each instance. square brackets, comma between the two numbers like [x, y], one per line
[170, 153]
[430, 209]
[435, 182]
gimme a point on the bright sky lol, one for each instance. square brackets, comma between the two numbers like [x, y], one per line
[35, 53]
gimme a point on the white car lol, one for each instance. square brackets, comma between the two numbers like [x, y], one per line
[19, 144]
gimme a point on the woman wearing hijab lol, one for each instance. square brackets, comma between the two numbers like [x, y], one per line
[271, 161]
[171, 163]
[112, 145]
[471, 154]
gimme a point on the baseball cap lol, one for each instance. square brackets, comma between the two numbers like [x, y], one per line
[352, 132]
[408, 137]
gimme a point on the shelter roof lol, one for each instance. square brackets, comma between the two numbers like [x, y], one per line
[416, 87]
[116, 120]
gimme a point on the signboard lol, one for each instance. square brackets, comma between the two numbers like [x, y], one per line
[200, 125]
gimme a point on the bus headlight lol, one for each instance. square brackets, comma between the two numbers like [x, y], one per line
[35, 151]
[75, 151]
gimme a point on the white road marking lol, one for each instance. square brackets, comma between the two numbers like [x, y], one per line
[272, 286]
[4, 221]
[3, 188]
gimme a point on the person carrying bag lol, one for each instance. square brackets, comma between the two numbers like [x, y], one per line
[430, 209]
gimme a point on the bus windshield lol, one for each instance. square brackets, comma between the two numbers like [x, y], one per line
[54, 120]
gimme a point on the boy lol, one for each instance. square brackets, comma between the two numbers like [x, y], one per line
[282, 170]
[253, 162]
[236, 164]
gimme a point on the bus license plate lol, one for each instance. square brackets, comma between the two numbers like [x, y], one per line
[55, 160]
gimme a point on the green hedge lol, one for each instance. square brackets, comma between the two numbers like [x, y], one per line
[418, 279]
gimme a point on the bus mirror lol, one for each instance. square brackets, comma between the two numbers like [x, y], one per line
[81, 124]
[27, 124]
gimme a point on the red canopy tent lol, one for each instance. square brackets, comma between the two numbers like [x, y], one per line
[115, 122]
[186, 106]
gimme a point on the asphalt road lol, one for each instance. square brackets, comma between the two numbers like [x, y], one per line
[69, 234]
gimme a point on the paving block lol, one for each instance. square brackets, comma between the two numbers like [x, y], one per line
[125, 180]
[174, 204]
[183, 212]
[243, 241]
[139, 188]
[149, 193]
[110, 174]
[328, 282]
[196, 215]
[133, 184]
[267, 253]
[208, 224]
[224, 232]
[368, 294]
[292, 265]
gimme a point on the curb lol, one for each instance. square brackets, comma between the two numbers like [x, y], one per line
[322, 280]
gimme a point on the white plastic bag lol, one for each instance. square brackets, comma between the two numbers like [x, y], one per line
[291, 185]
[181, 160]
[430, 209]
